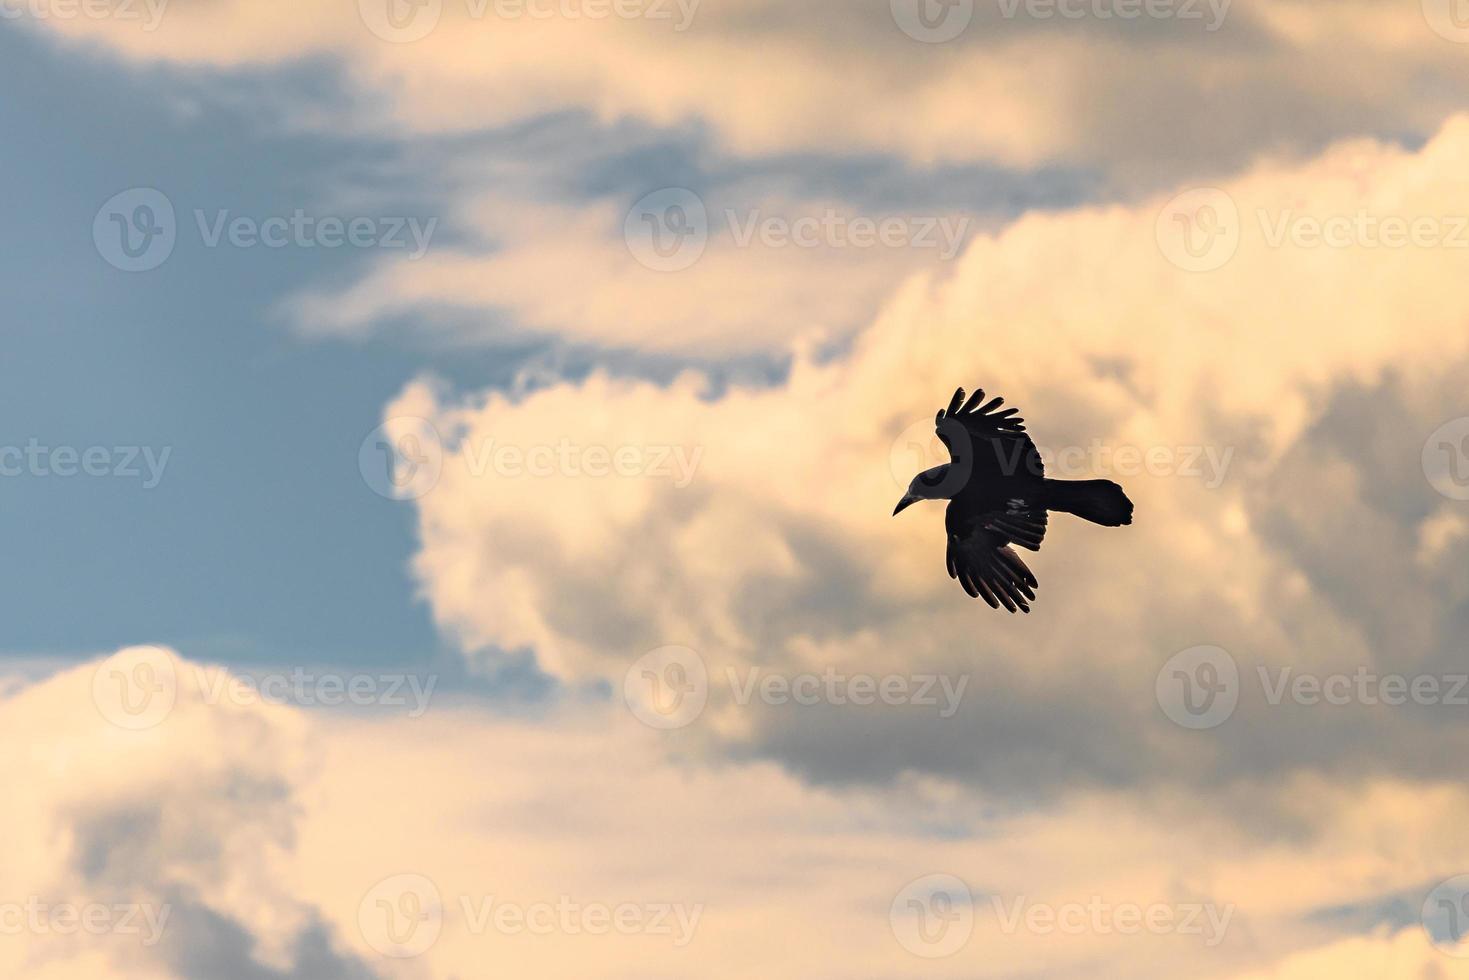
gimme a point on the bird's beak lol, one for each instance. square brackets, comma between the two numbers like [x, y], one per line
[905, 503]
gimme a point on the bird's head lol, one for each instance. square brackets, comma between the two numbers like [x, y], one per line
[929, 485]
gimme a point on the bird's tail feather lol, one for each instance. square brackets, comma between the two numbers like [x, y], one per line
[1099, 501]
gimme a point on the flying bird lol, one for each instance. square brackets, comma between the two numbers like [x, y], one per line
[999, 496]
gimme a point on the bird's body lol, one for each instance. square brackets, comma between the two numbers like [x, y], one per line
[999, 496]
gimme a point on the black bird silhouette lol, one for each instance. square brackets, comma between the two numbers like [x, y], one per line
[998, 496]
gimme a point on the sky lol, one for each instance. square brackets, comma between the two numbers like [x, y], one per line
[447, 451]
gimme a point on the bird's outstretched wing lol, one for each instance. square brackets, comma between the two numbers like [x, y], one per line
[987, 567]
[986, 441]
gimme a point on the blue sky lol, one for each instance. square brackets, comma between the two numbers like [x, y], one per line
[262, 542]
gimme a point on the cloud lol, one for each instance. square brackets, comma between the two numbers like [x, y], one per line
[1402, 954]
[1277, 398]
[1022, 84]
[158, 852]
[756, 276]
[851, 86]
[274, 835]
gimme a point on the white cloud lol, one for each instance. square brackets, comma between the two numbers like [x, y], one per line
[271, 828]
[768, 273]
[1023, 89]
[781, 553]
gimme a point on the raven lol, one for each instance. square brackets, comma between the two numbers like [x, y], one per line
[998, 495]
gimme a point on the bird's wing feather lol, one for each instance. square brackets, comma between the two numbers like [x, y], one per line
[993, 573]
[978, 434]
[981, 558]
